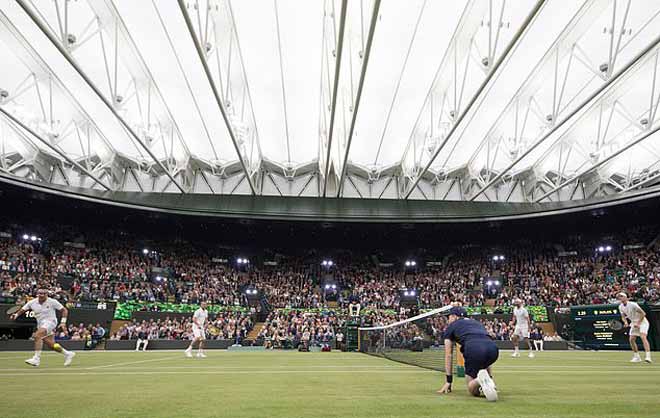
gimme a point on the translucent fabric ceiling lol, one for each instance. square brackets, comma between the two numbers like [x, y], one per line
[487, 100]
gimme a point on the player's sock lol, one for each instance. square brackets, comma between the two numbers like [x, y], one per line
[37, 355]
[648, 357]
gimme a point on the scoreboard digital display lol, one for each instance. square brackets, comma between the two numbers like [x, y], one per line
[599, 327]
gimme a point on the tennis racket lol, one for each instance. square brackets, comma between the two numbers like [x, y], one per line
[13, 310]
[615, 324]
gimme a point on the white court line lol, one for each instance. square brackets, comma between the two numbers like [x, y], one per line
[622, 367]
[131, 362]
[259, 372]
[192, 372]
[11, 358]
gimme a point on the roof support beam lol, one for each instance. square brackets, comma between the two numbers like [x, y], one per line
[365, 62]
[55, 149]
[216, 94]
[631, 144]
[53, 39]
[570, 115]
[514, 40]
[333, 108]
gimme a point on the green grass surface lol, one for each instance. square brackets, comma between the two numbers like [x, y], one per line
[292, 384]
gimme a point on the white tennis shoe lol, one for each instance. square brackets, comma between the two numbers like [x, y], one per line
[32, 361]
[487, 385]
[68, 358]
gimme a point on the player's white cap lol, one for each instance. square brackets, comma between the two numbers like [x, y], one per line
[621, 294]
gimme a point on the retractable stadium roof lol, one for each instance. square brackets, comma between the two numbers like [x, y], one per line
[498, 101]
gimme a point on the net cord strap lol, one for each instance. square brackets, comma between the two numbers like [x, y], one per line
[405, 321]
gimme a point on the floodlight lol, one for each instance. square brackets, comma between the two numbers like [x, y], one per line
[26, 236]
[145, 251]
[33, 238]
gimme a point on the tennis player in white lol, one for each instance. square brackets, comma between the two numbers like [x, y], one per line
[44, 311]
[199, 335]
[522, 325]
[634, 317]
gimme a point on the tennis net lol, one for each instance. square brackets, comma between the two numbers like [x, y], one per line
[415, 341]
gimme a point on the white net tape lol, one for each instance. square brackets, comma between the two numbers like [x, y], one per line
[408, 320]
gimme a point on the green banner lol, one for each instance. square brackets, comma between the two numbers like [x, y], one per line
[124, 310]
[538, 313]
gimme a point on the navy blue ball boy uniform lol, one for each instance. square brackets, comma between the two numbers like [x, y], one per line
[478, 349]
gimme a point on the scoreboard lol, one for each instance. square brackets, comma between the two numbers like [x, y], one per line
[599, 327]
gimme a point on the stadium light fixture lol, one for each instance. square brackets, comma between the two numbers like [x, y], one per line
[497, 282]
[489, 282]
[410, 263]
[327, 263]
[33, 238]
[145, 251]
[608, 248]
[26, 236]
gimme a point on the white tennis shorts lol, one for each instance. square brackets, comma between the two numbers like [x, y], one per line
[643, 329]
[521, 331]
[49, 326]
[198, 332]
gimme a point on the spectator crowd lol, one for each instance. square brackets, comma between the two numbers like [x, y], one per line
[574, 273]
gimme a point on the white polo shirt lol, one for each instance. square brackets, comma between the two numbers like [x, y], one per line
[44, 312]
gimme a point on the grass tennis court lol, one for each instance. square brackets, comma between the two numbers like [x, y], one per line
[292, 384]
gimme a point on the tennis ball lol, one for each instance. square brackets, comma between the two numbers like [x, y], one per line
[56, 346]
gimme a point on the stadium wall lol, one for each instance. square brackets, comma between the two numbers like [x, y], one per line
[76, 316]
[28, 345]
[169, 344]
